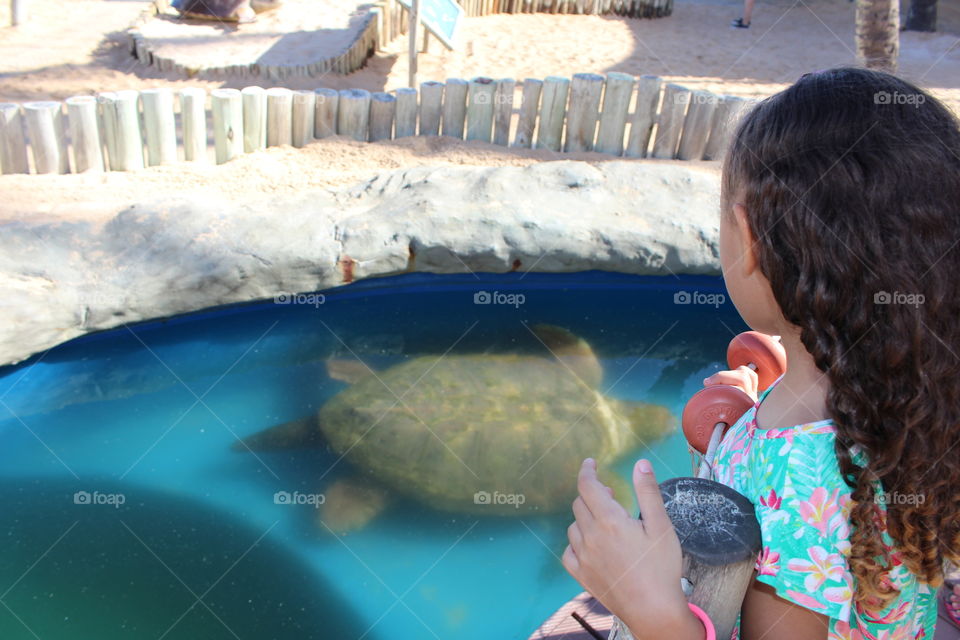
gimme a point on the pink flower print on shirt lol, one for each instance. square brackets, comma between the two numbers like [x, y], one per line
[772, 500]
[818, 510]
[842, 631]
[805, 600]
[767, 563]
[821, 567]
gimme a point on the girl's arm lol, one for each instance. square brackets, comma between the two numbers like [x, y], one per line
[766, 616]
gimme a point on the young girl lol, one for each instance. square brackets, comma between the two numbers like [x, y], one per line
[840, 232]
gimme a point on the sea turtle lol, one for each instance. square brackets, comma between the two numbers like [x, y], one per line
[488, 434]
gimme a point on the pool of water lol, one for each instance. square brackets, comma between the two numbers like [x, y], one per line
[127, 513]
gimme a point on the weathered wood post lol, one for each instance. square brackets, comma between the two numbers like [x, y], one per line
[383, 109]
[13, 147]
[159, 126]
[406, 112]
[353, 114]
[254, 118]
[644, 116]
[480, 109]
[279, 116]
[45, 127]
[696, 126]
[412, 37]
[85, 134]
[503, 110]
[193, 116]
[431, 107]
[529, 105]
[18, 12]
[613, 119]
[553, 106]
[670, 124]
[122, 119]
[304, 114]
[454, 107]
[585, 93]
[720, 538]
[725, 119]
[227, 107]
[325, 120]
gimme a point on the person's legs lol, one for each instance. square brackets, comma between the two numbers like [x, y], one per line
[744, 22]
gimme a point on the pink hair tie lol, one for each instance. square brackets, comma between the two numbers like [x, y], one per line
[705, 619]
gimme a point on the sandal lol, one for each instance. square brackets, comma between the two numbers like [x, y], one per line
[740, 24]
[948, 610]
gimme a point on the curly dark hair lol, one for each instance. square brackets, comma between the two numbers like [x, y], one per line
[851, 181]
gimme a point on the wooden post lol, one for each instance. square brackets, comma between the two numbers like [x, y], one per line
[304, 114]
[383, 108]
[13, 147]
[18, 12]
[431, 101]
[279, 116]
[85, 134]
[696, 126]
[325, 118]
[454, 107]
[406, 112]
[480, 109]
[720, 540]
[503, 110]
[108, 128]
[553, 105]
[193, 116]
[725, 118]
[644, 116]
[45, 127]
[227, 107]
[670, 124]
[254, 118]
[123, 118]
[159, 125]
[529, 105]
[582, 115]
[353, 114]
[613, 120]
[412, 37]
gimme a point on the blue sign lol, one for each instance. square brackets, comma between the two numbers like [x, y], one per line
[441, 17]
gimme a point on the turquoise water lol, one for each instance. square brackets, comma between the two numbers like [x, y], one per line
[127, 515]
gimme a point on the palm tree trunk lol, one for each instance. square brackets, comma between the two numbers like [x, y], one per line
[878, 34]
[922, 15]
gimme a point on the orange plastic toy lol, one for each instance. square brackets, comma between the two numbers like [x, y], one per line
[713, 409]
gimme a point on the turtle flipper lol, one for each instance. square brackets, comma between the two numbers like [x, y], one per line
[572, 351]
[648, 422]
[296, 434]
[349, 504]
[349, 371]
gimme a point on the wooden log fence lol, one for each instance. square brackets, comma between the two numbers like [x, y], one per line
[616, 115]
[385, 21]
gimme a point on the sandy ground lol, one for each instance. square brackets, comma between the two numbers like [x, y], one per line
[77, 46]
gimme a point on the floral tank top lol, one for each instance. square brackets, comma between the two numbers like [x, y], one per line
[792, 477]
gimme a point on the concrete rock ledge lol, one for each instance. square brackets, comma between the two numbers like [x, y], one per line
[160, 258]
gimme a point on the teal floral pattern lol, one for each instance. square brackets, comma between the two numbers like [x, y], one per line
[803, 506]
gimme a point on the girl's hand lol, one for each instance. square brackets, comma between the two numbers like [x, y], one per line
[743, 377]
[630, 565]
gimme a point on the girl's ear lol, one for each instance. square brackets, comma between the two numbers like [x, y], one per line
[748, 255]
